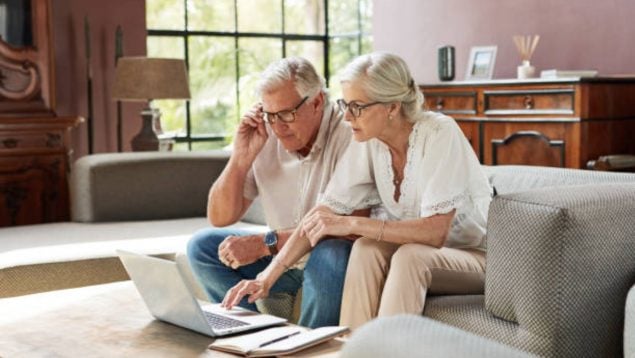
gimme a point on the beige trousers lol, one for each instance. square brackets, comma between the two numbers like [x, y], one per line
[385, 279]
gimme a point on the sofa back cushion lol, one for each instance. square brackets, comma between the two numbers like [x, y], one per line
[517, 178]
[143, 186]
[560, 262]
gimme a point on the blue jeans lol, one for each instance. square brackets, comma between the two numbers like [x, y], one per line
[322, 279]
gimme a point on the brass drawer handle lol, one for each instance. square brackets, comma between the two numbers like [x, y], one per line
[440, 103]
[10, 142]
[529, 102]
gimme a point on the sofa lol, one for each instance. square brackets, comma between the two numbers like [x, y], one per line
[561, 245]
[560, 263]
[145, 202]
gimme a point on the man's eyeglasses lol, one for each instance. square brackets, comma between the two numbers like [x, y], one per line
[353, 107]
[286, 116]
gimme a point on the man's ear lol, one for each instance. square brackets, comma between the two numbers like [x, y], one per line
[318, 102]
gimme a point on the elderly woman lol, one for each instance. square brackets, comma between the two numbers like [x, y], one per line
[429, 194]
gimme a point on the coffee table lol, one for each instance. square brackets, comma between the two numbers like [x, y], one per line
[108, 320]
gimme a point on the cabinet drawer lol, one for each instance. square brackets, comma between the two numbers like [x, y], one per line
[30, 140]
[451, 102]
[556, 101]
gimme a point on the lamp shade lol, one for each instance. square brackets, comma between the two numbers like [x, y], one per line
[143, 78]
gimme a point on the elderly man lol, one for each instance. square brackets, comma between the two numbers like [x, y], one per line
[285, 150]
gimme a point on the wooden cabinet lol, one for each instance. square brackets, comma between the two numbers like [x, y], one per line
[34, 141]
[560, 122]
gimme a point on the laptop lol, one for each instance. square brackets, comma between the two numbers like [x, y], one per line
[169, 298]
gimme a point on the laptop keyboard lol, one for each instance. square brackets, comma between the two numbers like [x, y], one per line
[217, 321]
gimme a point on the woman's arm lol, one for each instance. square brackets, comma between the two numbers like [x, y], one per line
[432, 231]
[293, 250]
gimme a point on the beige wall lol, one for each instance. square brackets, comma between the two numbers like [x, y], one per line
[70, 65]
[580, 34]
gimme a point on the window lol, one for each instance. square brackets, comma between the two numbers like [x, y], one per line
[227, 43]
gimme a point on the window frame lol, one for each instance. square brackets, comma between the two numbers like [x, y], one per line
[185, 34]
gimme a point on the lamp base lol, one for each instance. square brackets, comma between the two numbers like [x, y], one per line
[147, 139]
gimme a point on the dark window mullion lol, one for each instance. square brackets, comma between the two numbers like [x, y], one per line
[327, 74]
[284, 41]
[186, 46]
[237, 61]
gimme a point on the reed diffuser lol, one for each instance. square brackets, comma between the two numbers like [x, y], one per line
[526, 45]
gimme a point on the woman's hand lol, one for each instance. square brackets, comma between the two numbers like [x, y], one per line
[321, 222]
[255, 289]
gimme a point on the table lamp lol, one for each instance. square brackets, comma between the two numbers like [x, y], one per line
[145, 79]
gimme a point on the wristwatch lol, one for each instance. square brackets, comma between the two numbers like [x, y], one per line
[271, 240]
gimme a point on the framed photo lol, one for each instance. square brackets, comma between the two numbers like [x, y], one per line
[481, 63]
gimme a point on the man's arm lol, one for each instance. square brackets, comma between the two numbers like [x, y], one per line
[226, 202]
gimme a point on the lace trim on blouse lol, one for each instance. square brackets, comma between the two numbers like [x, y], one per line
[340, 208]
[445, 206]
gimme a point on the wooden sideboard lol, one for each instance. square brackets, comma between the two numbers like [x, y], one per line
[34, 141]
[559, 122]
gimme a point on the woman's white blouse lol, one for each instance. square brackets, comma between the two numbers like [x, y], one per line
[441, 173]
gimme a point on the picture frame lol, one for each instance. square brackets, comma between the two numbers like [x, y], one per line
[481, 63]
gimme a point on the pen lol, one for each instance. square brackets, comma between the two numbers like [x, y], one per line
[278, 339]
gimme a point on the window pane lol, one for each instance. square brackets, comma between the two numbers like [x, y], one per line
[367, 44]
[208, 145]
[304, 17]
[180, 147]
[172, 116]
[343, 17]
[213, 85]
[311, 50]
[342, 51]
[255, 56]
[165, 14]
[260, 16]
[205, 15]
[366, 10]
[166, 47]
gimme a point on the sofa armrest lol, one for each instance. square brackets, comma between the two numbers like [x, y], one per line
[561, 260]
[416, 336]
[143, 186]
[629, 325]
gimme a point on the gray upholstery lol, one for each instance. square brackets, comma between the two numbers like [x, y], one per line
[629, 325]
[143, 186]
[394, 337]
[516, 178]
[561, 260]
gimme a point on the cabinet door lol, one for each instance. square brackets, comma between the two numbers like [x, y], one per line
[527, 143]
[33, 190]
[472, 133]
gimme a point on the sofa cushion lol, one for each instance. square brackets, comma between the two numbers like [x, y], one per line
[45, 257]
[415, 336]
[517, 178]
[143, 186]
[561, 260]
[468, 313]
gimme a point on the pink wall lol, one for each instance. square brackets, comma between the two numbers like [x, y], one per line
[70, 64]
[581, 34]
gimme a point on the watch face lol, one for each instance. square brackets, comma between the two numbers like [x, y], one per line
[271, 238]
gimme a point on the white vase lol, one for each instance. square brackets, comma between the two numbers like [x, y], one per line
[526, 70]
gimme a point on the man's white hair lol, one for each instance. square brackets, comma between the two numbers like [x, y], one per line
[296, 69]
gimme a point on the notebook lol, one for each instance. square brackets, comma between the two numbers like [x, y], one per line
[169, 298]
[276, 341]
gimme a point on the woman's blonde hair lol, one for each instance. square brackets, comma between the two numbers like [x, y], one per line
[385, 77]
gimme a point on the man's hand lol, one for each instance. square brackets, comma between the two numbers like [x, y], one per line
[321, 222]
[251, 134]
[237, 251]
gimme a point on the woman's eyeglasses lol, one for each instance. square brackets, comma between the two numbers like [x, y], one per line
[353, 107]
[286, 116]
